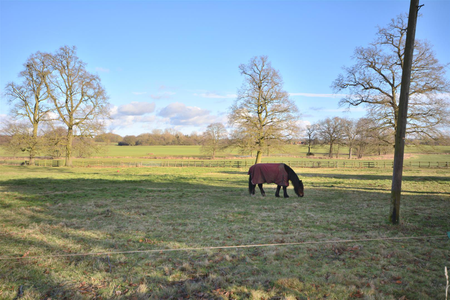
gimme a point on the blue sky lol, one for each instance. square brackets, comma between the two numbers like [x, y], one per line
[174, 64]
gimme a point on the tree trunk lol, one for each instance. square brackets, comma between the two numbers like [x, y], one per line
[396, 190]
[32, 154]
[34, 143]
[258, 157]
[68, 162]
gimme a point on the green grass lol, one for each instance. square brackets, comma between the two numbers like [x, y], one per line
[53, 211]
[194, 151]
[184, 156]
[152, 151]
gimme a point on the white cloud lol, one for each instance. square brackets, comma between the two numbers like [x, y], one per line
[136, 108]
[51, 115]
[129, 122]
[302, 124]
[179, 114]
[139, 117]
[139, 93]
[4, 119]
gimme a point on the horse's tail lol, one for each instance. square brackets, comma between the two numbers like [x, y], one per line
[250, 185]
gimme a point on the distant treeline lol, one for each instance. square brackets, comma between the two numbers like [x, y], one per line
[156, 137]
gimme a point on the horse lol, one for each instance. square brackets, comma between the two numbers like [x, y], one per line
[274, 173]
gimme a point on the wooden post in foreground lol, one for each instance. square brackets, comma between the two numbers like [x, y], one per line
[394, 216]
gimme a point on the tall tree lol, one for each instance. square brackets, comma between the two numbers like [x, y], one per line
[375, 81]
[372, 138]
[263, 112]
[350, 133]
[78, 97]
[29, 100]
[331, 132]
[311, 136]
[214, 139]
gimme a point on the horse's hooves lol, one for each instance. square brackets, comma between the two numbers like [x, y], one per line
[286, 196]
[278, 196]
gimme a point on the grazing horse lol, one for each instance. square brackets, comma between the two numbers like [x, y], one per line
[273, 173]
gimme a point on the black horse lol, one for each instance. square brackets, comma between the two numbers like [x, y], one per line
[273, 173]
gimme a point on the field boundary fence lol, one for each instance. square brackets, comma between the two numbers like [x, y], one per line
[228, 163]
[308, 164]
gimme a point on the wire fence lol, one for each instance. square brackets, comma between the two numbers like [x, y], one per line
[23, 257]
[229, 163]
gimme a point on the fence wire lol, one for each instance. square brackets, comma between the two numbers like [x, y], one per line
[229, 163]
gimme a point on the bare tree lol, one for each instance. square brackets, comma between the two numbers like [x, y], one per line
[375, 81]
[364, 138]
[263, 112]
[242, 141]
[372, 138]
[214, 139]
[54, 139]
[330, 132]
[311, 136]
[29, 102]
[350, 134]
[78, 97]
[20, 138]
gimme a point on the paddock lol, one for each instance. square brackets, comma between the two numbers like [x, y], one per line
[195, 233]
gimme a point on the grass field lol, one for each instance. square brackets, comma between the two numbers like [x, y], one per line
[194, 151]
[50, 215]
[117, 156]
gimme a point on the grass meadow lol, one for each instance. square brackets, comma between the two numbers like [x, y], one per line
[137, 223]
[174, 151]
[127, 156]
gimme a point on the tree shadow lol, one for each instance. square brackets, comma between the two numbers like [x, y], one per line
[417, 178]
[68, 216]
[63, 216]
[234, 172]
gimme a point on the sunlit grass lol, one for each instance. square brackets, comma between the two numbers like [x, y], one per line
[53, 211]
[127, 152]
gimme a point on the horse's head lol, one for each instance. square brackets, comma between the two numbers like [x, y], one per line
[299, 190]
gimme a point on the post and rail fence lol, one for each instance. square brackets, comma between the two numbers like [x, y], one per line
[228, 163]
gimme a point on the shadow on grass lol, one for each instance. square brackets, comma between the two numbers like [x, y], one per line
[244, 172]
[65, 216]
[363, 176]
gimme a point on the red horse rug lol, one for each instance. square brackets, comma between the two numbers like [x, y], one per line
[269, 173]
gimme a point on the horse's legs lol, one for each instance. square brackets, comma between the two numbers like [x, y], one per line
[251, 186]
[252, 189]
[261, 189]
[285, 192]
[277, 193]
